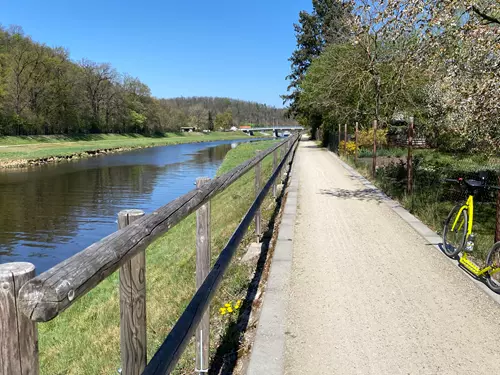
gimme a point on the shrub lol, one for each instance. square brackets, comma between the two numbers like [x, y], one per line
[365, 137]
[350, 148]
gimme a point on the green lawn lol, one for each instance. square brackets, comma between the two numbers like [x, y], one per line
[85, 338]
[14, 151]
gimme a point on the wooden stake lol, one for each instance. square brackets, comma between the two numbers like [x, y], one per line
[203, 257]
[338, 147]
[374, 164]
[356, 142]
[257, 191]
[345, 140]
[18, 334]
[409, 159]
[133, 345]
[497, 229]
[275, 165]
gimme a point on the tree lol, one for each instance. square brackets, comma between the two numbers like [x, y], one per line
[210, 122]
[224, 120]
[458, 42]
[96, 78]
[327, 24]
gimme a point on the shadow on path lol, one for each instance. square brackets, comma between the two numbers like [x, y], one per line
[363, 194]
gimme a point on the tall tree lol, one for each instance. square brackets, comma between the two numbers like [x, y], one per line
[459, 42]
[328, 23]
[210, 124]
[97, 79]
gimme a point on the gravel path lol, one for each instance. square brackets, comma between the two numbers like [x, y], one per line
[369, 295]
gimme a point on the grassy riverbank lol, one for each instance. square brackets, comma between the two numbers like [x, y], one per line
[85, 338]
[22, 151]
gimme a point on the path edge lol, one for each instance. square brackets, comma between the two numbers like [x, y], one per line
[422, 229]
[268, 350]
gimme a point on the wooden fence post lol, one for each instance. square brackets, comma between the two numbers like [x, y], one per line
[409, 159]
[374, 162]
[345, 140]
[338, 146]
[283, 153]
[18, 334]
[275, 165]
[133, 345]
[257, 191]
[356, 142]
[203, 257]
[497, 228]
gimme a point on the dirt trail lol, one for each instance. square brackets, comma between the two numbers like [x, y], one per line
[371, 296]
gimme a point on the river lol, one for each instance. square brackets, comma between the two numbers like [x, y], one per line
[51, 212]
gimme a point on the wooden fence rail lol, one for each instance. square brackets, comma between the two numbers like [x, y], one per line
[25, 299]
[53, 291]
[167, 356]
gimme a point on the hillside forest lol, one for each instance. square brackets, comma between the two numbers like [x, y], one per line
[43, 91]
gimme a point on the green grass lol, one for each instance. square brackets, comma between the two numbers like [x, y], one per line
[394, 152]
[14, 149]
[85, 338]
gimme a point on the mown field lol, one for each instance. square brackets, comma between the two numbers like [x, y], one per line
[17, 150]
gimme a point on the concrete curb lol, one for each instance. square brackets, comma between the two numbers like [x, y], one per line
[427, 233]
[268, 352]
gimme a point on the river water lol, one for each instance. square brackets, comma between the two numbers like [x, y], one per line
[51, 212]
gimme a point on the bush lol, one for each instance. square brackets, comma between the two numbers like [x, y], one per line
[350, 148]
[365, 137]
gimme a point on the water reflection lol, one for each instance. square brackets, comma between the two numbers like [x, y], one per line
[54, 211]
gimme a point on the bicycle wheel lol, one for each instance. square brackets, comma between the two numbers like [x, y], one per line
[493, 259]
[454, 240]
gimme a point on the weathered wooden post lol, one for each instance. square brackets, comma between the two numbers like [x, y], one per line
[338, 146]
[497, 228]
[356, 142]
[133, 345]
[18, 334]
[275, 165]
[374, 162]
[203, 256]
[257, 191]
[409, 159]
[284, 150]
[345, 140]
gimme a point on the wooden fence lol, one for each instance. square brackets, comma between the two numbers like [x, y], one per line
[26, 300]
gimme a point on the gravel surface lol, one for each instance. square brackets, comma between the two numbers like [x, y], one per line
[371, 296]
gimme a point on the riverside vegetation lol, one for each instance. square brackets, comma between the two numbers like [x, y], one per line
[92, 347]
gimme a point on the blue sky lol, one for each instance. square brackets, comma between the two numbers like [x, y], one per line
[236, 49]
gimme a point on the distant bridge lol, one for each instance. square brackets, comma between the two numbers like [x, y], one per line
[273, 128]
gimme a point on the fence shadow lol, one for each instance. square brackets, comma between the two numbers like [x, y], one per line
[362, 195]
[226, 357]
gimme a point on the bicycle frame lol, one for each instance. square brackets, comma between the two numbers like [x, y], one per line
[464, 260]
[474, 269]
[469, 206]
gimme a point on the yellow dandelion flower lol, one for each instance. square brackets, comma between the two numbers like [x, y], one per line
[229, 309]
[223, 310]
[238, 304]
[227, 305]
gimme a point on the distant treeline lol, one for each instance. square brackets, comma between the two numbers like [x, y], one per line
[42, 91]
